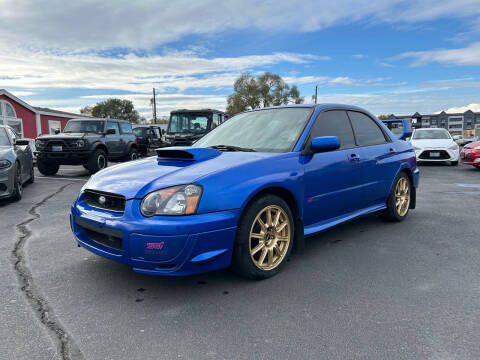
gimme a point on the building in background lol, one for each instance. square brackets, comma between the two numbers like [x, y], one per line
[466, 124]
[30, 121]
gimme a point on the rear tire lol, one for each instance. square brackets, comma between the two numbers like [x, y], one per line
[132, 155]
[261, 251]
[17, 187]
[97, 161]
[47, 169]
[398, 202]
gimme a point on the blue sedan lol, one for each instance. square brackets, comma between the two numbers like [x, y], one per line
[248, 192]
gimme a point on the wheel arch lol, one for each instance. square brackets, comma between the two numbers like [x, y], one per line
[101, 146]
[413, 191]
[288, 196]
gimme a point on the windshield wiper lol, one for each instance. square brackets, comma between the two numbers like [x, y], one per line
[231, 148]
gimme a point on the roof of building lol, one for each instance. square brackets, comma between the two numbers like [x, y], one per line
[42, 109]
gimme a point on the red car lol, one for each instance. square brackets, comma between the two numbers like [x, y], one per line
[470, 154]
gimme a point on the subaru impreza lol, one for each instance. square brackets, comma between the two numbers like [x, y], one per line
[246, 194]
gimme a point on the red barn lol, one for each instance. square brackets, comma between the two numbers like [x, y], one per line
[30, 121]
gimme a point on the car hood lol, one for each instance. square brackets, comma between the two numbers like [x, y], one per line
[432, 143]
[65, 136]
[472, 145]
[137, 178]
[5, 152]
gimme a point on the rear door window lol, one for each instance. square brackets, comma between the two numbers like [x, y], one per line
[367, 131]
[334, 123]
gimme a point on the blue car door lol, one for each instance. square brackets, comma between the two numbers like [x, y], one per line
[377, 158]
[332, 179]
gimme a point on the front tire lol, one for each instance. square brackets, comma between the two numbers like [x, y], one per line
[454, 163]
[264, 238]
[398, 202]
[17, 187]
[32, 175]
[97, 161]
[47, 169]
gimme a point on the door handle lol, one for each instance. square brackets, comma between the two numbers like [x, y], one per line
[354, 157]
[392, 150]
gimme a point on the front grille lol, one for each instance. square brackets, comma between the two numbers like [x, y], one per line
[3, 187]
[427, 155]
[111, 238]
[106, 201]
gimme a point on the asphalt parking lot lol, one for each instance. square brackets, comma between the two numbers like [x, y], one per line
[364, 290]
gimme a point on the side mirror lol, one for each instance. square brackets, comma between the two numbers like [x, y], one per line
[110, 132]
[22, 142]
[163, 131]
[57, 131]
[324, 143]
[406, 127]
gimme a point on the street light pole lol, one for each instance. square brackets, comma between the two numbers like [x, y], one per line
[154, 107]
[316, 90]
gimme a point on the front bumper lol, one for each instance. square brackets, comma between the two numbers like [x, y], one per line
[470, 157]
[7, 181]
[163, 245]
[437, 155]
[64, 157]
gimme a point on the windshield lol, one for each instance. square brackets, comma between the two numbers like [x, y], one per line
[273, 130]
[3, 138]
[188, 123]
[431, 134]
[79, 126]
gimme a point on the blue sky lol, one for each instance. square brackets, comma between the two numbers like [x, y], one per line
[387, 56]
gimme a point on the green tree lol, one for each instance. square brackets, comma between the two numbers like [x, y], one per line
[115, 109]
[263, 91]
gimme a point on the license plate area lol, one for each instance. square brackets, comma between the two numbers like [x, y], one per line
[57, 148]
[434, 154]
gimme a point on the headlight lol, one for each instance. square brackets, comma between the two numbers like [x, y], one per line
[80, 143]
[5, 164]
[176, 200]
[416, 148]
[476, 148]
[39, 143]
[454, 146]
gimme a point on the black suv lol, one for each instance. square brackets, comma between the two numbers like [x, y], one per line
[87, 142]
[148, 137]
[187, 126]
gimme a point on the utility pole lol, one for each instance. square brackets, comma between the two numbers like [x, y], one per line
[316, 88]
[154, 107]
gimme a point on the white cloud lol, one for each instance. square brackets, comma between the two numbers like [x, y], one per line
[143, 24]
[133, 73]
[359, 56]
[461, 109]
[469, 55]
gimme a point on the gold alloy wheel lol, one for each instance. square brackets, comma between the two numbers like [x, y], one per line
[270, 237]
[402, 196]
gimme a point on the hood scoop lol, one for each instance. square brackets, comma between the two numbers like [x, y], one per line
[186, 153]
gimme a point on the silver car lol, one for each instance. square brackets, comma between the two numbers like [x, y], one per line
[16, 163]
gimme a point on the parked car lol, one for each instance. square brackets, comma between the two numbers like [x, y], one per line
[87, 142]
[148, 137]
[248, 192]
[435, 145]
[16, 163]
[461, 140]
[470, 154]
[187, 126]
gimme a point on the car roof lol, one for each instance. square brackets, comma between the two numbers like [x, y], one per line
[197, 110]
[321, 107]
[100, 119]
